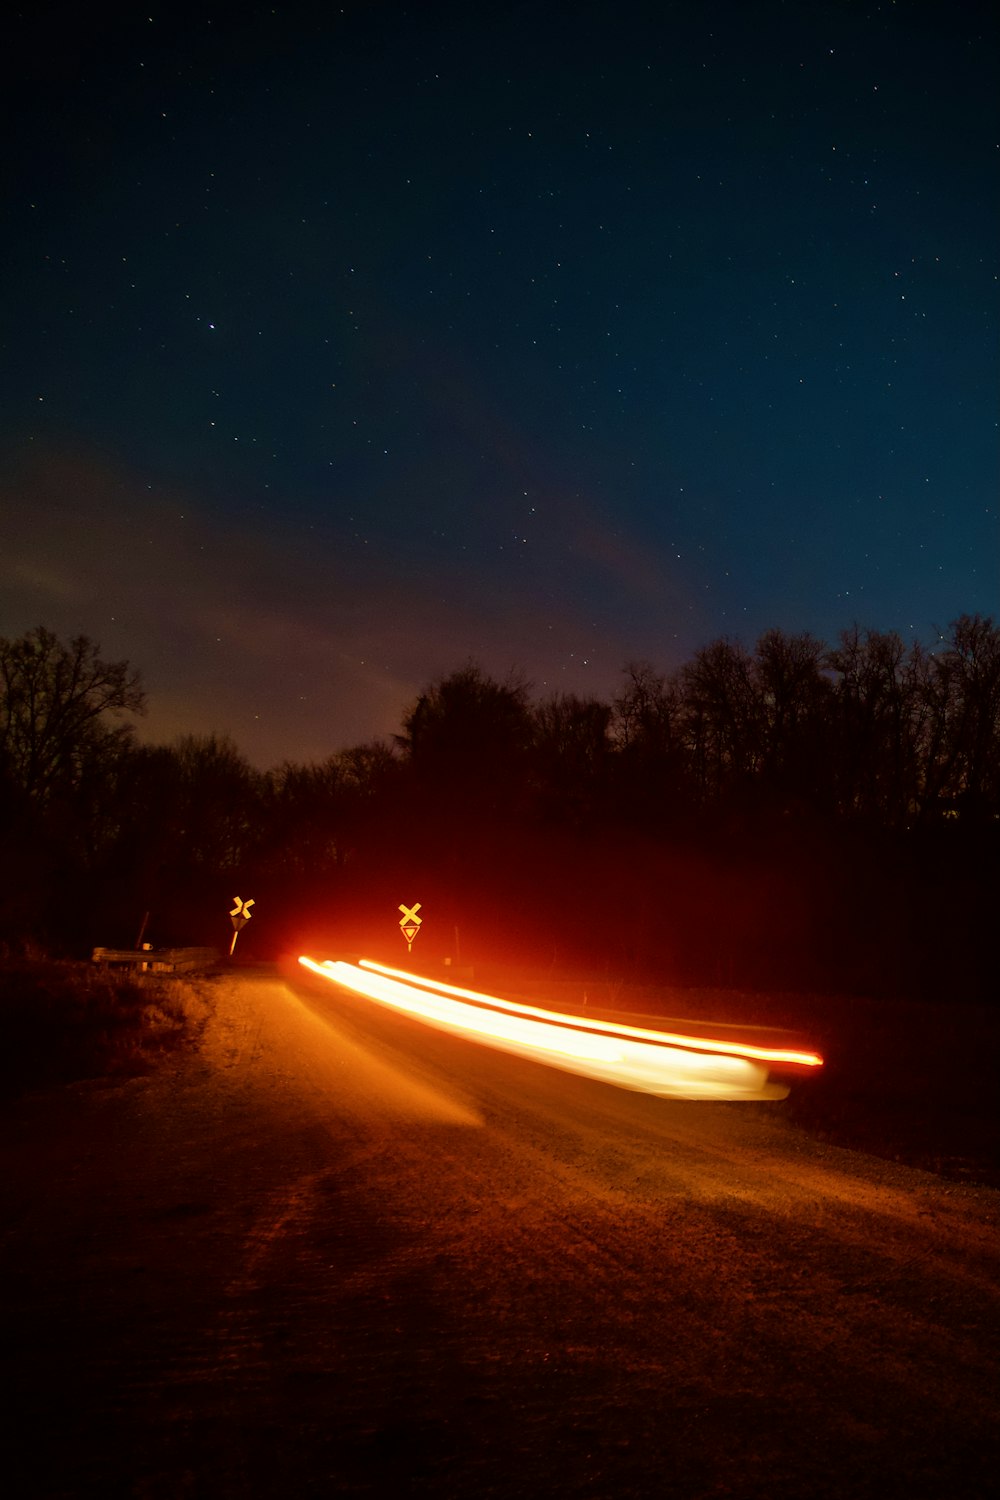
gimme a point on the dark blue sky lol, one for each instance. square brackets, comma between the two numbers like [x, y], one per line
[344, 344]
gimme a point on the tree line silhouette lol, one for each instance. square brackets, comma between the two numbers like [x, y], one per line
[796, 815]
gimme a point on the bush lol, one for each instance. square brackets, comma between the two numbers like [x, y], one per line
[63, 1022]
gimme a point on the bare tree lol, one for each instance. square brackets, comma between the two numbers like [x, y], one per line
[962, 691]
[793, 705]
[318, 816]
[56, 701]
[878, 725]
[723, 718]
[217, 797]
[466, 740]
[647, 711]
[653, 764]
[572, 754]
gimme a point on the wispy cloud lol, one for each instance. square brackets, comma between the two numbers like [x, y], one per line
[295, 650]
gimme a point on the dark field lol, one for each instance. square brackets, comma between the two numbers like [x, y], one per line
[913, 1083]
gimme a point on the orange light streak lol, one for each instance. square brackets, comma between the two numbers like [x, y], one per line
[632, 1057]
[617, 1028]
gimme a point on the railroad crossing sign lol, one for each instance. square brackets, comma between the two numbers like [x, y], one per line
[239, 916]
[241, 912]
[409, 923]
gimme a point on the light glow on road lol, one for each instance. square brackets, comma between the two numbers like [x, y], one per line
[654, 1062]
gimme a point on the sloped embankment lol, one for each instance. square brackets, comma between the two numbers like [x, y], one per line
[62, 1022]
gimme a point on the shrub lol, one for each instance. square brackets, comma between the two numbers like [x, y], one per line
[63, 1022]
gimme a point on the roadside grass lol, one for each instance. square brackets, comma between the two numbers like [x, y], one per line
[910, 1083]
[63, 1022]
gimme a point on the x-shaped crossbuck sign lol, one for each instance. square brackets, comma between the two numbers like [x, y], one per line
[242, 908]
[410, 914]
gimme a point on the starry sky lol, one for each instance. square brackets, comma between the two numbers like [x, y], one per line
[344, 344]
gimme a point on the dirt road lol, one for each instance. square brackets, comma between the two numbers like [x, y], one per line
[338, 1254]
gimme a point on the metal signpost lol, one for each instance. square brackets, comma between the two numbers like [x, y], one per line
[240, 916]
[409, 924]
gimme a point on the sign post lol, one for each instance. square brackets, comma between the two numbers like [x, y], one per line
[409, 924]
[240, 916]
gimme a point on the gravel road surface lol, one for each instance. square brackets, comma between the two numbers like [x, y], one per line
[336, 1253]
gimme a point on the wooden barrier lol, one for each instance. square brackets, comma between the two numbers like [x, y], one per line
[157, 960]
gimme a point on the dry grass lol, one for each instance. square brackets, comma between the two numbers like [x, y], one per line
[63, 1022]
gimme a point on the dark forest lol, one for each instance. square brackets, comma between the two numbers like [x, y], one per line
[798, 816]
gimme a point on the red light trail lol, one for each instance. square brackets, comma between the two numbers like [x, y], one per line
[656, 1062]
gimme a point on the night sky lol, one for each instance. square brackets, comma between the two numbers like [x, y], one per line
[345, 344]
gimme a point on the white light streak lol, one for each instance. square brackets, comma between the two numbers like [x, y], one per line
[655, 1062]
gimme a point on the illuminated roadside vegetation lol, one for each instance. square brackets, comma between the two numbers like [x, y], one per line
[791, 816]
[63, 1022]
